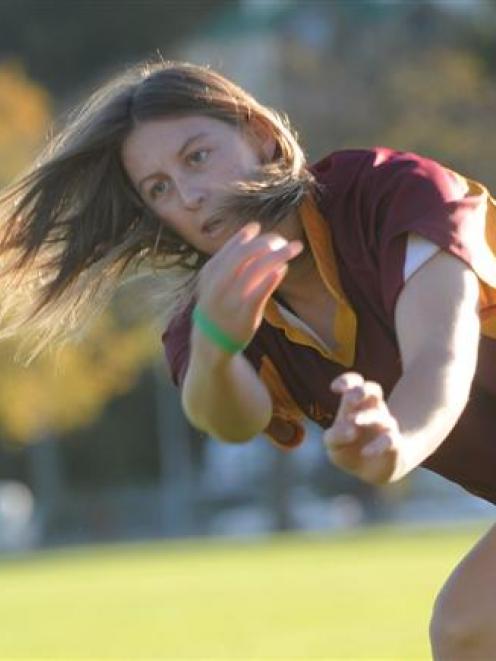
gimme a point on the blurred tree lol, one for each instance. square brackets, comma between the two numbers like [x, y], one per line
[71, 391]
[411, 81]
[56, 396]
[25, 111]
[442, 104]
[66, 44]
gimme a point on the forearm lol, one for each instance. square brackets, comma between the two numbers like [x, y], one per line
[427, 402]
[438, 333]
[222, 393]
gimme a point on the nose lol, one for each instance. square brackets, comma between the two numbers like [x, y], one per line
[192, 196]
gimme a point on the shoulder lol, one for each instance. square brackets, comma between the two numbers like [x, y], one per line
[379, 165]
[371, 182]
[337, 167]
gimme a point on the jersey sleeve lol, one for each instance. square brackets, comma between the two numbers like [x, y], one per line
[286, 429]
[414, 198]
[176, 342]
[418, 252]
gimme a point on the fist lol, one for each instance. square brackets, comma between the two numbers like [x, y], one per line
[364, 439]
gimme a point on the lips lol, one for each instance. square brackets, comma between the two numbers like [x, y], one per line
[214, 227]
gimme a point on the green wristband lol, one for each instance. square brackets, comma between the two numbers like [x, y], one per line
[214, 333]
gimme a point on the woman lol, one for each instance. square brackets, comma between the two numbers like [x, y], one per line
[359, 292]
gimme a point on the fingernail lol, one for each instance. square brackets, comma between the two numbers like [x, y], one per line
[297, 245]
[251, 227]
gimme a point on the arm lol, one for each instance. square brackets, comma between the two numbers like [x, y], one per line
[438, 328]
[222, 393]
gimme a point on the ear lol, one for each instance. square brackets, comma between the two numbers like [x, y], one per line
[263, 138]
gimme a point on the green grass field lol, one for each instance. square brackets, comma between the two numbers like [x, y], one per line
[347, 596]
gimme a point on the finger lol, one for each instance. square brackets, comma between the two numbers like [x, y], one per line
[370, 393]
[352, 396]
[272, 247]
[346, 381]
[363, 397]
[381, 444]
[247, 233]
[259, 267]
[248, 239]
[239, 256]
[244, 236]
[260, 294]
[339, 435]
[378, 417]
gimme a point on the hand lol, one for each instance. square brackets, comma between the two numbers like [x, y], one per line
[364, 439]
[236, 283]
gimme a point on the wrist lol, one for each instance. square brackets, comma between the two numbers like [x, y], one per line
[405, 460]
[401, 468]
[215, 333]
[206, 351]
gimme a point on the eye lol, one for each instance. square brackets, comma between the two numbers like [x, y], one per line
[198, 157]
[158, 189]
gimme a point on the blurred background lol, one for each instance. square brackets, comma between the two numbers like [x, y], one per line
[94, 447]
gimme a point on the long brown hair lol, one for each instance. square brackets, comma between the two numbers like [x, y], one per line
[73, 228]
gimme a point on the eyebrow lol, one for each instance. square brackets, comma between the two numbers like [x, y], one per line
[180, 153]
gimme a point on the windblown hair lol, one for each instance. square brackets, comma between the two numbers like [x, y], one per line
[73, 228]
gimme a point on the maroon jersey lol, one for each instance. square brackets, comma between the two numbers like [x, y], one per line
[367, 205]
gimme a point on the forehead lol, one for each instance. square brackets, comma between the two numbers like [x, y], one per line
[165, 136]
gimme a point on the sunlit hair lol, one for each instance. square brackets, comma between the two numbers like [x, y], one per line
[73, 228]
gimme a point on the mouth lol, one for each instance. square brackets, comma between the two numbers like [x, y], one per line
[214, 227]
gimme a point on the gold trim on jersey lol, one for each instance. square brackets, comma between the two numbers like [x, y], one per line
[345, 323]
[286, 411]
[482, 247]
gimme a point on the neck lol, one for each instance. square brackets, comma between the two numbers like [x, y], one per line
[302, 278]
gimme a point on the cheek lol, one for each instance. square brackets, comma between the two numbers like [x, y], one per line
[170, 218]
[235, 166]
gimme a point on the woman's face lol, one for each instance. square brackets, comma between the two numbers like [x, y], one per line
[183, 167]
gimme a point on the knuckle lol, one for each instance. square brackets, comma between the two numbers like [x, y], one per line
[354, 395]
